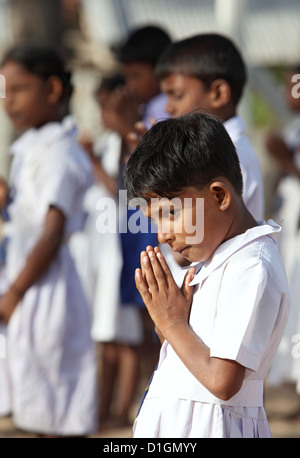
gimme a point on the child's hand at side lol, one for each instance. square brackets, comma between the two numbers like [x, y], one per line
[167, 305]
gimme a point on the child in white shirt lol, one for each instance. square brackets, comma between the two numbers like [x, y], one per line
[220, 331]
[50, 353]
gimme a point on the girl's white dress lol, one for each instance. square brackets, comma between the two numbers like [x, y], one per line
[239, 311]
[50, 354]
[98, 255]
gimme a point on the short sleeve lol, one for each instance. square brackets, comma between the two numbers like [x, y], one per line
[246, 314]
[66, 184]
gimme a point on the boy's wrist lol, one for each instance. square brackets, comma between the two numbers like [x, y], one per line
[174, 329]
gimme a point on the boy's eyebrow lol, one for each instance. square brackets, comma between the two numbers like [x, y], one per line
[169, 91]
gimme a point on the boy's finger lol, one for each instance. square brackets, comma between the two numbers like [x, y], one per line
[186, 289]
[140, 128]
[142, 286]
[144, 253]
[158, 270]
[148, 273]
[165, 267]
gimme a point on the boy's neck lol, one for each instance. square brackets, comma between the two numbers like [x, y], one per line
[244, 221]
[227, 114]
[55, 118]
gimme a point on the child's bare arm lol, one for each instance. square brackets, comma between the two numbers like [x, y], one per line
[169, 308]
[37, 262]
[3, 193]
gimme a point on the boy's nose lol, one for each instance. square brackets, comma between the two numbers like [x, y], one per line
[165, 237]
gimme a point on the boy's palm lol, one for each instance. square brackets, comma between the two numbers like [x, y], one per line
[167, 305]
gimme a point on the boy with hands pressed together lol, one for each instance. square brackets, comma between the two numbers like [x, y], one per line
[220, 331]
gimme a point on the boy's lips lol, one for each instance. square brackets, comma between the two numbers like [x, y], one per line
[184, 249]
[181, 250]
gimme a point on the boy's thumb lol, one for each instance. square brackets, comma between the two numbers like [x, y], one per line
[186, 289]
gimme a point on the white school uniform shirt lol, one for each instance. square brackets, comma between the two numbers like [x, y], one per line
[50, 352]
[253, 193]
[239, 311]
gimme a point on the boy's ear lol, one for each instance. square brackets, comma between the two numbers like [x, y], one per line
[220, 93]
[222, 193]
[55, 89]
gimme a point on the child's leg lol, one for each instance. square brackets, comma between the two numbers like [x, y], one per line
[128, 378]
[108, 373]
[150, 347]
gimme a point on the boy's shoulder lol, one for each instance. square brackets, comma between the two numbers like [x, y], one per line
[261, 256]
[262, 250]
[254, 249]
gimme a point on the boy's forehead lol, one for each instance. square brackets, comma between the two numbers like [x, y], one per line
[184, 198]
[177, 79]
[135, 66]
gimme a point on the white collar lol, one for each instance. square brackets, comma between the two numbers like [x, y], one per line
[235, 127]
[45, 135]
[226, 249]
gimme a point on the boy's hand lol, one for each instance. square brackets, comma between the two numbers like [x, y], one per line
[121, 112]
[134, 137]
[167, 305]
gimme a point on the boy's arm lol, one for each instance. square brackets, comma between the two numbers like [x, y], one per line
[110, 182]
[169, 308]
[3, 193]
[37, 262]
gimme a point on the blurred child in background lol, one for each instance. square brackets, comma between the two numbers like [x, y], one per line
[284, 148]
[98, 252]
[50, 352]
[206, 72]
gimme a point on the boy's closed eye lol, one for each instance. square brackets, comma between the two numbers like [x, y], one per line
[170, 214]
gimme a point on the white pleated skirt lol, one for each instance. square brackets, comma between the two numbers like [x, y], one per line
[179, 418]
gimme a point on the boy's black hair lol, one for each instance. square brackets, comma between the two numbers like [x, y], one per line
[144, 45]
[109, 83]
[42, 60]
[191, 150]
[206, 57]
